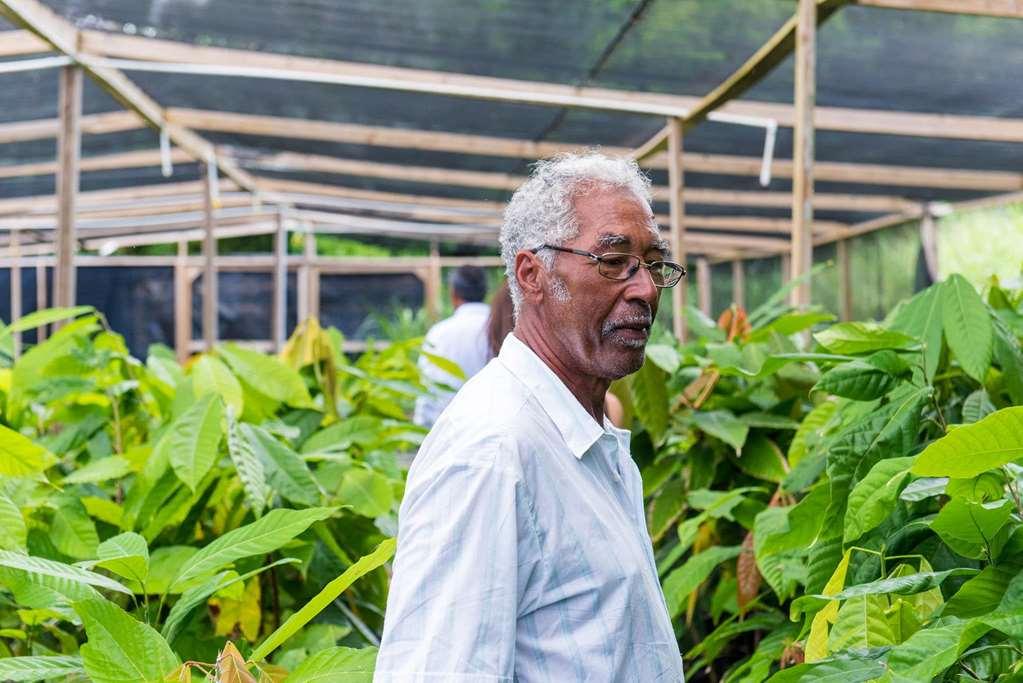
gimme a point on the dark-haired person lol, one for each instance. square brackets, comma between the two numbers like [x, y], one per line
[460, 338]
[523, 553]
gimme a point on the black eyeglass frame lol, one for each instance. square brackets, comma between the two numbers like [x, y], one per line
[599, 259]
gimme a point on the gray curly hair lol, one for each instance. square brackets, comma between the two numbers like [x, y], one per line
[541, 210]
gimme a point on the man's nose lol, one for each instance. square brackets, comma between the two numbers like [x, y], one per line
[641, 286]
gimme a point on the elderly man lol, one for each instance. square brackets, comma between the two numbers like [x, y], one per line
[523, 553]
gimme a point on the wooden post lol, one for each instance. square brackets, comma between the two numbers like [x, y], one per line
[209, 273]
[280, 283]
[929, 241]
[739, 283]
[41, 299]
[68, 148]
[842, 248]
[434, 284]
[802, 153]
[703, 284]
[676, 185]
[786, 269]
[182, 304]
[312, 275]
[16, 287]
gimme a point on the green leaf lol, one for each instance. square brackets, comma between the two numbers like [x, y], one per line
[192, 441]
[121, 648]
[248, 465]
[265, 535]
[193, 597]
[13, 531]
[780, 529]
[834, 670]
[723, 425]
[39, 668]
[337, 664]
[267, 375]
[791, 323]
[665, 510]
[369, 493]
[211, 376]
[20, 456]
[967, 326]
[977, 406]
[449, 366]
[45, 317]
[103, 469]
[58, 570]
[971, 528]
[768, 421]
[72, 531]
[359, 430]
[330, 592]
[861, 623]
[286, 471]
[126, 555]
[810, 430]
[874, 497]
[920, 317]
[858, 380]
[1010, 358]
[928, 652]
[856, 338]
[762, 459]
[648, 389]
[925, 487]
[982, 593]
[971, 449]
[687, 578]
[664, 356]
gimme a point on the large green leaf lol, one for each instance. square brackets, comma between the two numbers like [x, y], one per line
[267, 375]
[72, 531]
[330, 592]
[248, 465]
[211, 376]
[126, 555]
[856, 338]
[810, 430]
[971, 449]
[664, 356]
[120, 648]
[665, 509]
[967, 324]
[104, 469]
[20, 456]
[861, 624]
[286, 471]
[265, 535]
[684, 580]
[874, 497]
[192, 441]
[648, 390]
[359, 430]
[59, 571]
[790, 323]
[13, 530]
[369, 493]
[723, 425]
[780, 529]
[835, 670]
[972, 529]
[1010, 358]
[761, 458]
[920, 317]
[864, 380]
[983, 593]
[337, 664]
[929, 651]
[39, 668]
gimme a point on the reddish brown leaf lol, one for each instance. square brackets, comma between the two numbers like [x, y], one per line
[747, 575]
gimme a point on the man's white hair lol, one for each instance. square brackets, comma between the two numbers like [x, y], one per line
[541, 211]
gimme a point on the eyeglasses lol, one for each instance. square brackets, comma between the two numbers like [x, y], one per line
[616, 266]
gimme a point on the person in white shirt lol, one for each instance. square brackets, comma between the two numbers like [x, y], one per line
[523, 553]
[462, 339]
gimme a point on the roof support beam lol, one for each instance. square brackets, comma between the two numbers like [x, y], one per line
[68, 147]
[20, 43]
[989, 8]
[66, 39]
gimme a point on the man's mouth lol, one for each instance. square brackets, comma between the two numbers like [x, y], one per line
[632, 332]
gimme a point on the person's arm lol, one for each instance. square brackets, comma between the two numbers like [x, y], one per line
[465, 547]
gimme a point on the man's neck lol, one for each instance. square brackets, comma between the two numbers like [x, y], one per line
[589, 391]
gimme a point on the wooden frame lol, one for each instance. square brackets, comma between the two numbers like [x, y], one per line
[801, 257]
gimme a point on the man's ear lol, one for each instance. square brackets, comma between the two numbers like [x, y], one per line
[529, 273]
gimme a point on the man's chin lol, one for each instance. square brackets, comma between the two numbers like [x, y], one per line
[626, 361]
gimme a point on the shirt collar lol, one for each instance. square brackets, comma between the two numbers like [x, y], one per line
[578, 428]
[472, 307]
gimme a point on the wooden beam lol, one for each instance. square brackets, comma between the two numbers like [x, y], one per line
[19, 43]
[703, 285]
[15, 273]
[136, 159]
[68, 149]
[93, 124]
[677, 226]
[279, 329]
[929, 242]
[312, 273]
[182, 303]
[844, 279]
[739, 283]
[803, 150]
[433, 283]
[210, 293]
[988, 8]
[66, 39]
[42, 301]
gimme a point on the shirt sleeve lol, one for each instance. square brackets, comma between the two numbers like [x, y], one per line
[465, 549]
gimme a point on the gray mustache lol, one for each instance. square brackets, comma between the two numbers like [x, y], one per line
[634, 321]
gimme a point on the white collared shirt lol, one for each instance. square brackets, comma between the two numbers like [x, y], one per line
[523, 553]
[462, 339]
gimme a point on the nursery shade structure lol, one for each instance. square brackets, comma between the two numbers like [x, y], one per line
[418, 120]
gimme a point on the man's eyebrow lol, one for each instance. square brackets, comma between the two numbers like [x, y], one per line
[662, 246]
[612, 239]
